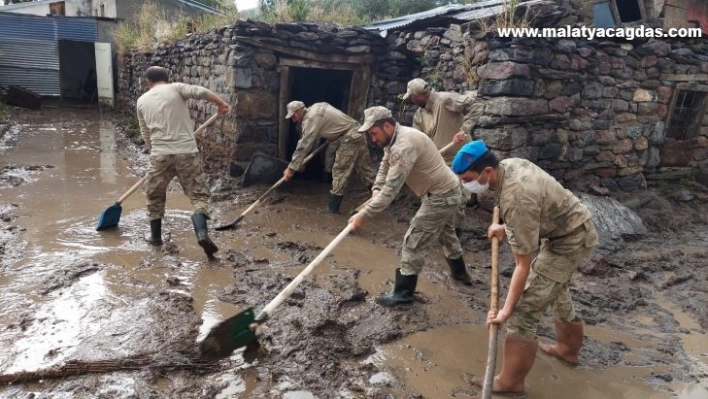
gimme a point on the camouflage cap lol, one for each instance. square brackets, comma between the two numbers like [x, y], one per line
[416, 86]
[292, 107]
[373, 115]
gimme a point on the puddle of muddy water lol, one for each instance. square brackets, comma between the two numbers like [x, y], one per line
[78, 293]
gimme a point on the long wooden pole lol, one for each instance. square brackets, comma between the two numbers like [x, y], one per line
[494, 306]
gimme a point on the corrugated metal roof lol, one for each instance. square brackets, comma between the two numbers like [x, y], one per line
[405, 20]
[27, 27]
[34, 54]
[77, 29]
[491, 9]
[201, 6]
[33, 64]
[470, 12]
[29, 49]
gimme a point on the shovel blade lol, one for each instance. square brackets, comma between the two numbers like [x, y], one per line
[109, 217]
[263, 169]
[229, 335]
[229, 226]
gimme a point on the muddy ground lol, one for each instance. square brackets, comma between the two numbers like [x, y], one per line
[68, 293]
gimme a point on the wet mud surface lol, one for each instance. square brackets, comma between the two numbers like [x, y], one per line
[69, 294]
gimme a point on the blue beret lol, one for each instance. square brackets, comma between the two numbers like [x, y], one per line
[468, 154]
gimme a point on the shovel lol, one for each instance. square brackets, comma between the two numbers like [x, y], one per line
[494, 306]
[260, 199]
[111, 215]
[240, 330]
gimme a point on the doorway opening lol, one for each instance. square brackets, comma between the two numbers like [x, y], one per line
[313, 85]
[77, 71]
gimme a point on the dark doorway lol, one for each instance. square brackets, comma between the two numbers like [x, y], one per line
[77, 71]
[629, 10]
[313, 85]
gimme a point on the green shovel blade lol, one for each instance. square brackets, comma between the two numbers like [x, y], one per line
[229, 335]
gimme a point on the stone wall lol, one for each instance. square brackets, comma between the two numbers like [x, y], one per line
[243, 74]
[591, 113]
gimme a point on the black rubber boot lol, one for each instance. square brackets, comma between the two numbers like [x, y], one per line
[459, 270]
[334, 202]
[403, 290]
[199, 220]
[155, 237]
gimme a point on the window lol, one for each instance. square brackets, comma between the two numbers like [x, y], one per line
[57, 8]
[629, 10]
[103, 10]
[687, 114]
[609, 13]
[602, 16]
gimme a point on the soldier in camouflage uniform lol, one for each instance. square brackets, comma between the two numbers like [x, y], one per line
[410, 158]
[166, 127]
[539, 216]
[445, 117]
[351, 154]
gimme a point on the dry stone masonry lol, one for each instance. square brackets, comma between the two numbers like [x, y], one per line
[595, 114]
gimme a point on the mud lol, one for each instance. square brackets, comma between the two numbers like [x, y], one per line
[69, 294]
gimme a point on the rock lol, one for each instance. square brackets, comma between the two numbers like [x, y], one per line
[508, 87]
[504, 141]
[506, 106]
[614, 222]
[642, 95]
[684, 195]
[503, 70]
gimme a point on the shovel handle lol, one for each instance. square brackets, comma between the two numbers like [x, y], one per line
[494, 306]
[206, 124]
[260, 199]
[288, 290]
[131, 190]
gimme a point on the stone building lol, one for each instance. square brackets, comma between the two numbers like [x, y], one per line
[602, 114]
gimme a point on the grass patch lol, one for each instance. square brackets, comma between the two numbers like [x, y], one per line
[151, 25]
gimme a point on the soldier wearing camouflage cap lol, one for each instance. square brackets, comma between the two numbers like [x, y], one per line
[410, 158]
[539, 216]
[445, 117]
[352, 151]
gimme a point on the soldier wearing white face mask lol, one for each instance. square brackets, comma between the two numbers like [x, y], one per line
[540, 216]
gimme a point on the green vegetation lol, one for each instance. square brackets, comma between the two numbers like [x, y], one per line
[150, 25]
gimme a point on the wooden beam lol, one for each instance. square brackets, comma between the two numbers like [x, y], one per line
[309, 55]
[359, 92]
[283, 124]
[683, 77]
[298, 63]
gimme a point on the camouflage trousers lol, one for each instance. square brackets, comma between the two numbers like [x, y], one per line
[433, 221]
[330, 155]
[352, 154]
[188, 169]
[545, 287]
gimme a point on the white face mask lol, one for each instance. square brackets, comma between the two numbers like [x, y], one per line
[476, 187]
